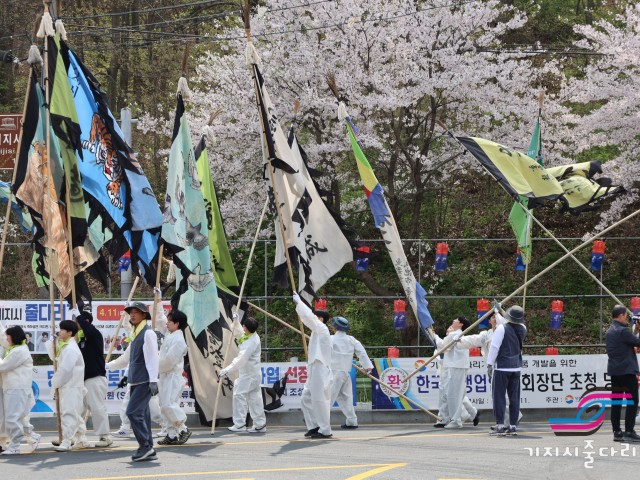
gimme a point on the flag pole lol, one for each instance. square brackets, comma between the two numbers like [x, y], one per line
[247, 29]
[157, 287]
[122, 317]
[235, 313]
[530, 281]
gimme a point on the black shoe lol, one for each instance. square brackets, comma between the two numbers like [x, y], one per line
[168, 441]
[618, 436]
[631, 437]
[439, 425]
[348, 427]
[476, 419]
[321, 435]
[184, 436]
[311, 432]
[144, 454]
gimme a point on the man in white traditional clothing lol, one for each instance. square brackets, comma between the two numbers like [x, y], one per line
[69, 380]
[344, 347]
[247, 393]
[316, 395]
[16, 396]
[171, 384]
[454, 375]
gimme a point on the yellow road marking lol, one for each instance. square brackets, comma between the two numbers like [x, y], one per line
[382, 468]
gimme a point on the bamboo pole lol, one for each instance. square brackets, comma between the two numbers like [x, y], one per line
[530, 281]
[269, 167]
[157, 287]
[272, 316]
[122, 317]
[5, 229]
[235, 313]
[53, 272]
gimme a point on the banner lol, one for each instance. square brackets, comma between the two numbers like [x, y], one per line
[34, 316]
[555, 381]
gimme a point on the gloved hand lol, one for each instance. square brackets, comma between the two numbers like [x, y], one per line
[157, 291]
[153, 388]
[74, 313]
[496, 305]
[490, 371]
[123, 382]
[368, 370]
[224, 372]
[296, 298]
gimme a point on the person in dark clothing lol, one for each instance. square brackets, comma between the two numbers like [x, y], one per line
[504, 365]
[91, 346]
[622, 366]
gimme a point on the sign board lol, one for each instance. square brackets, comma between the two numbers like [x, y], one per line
[9, 136]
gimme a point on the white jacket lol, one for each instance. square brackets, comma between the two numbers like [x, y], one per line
[16, 369]
[344, 346]
[70, 372]
[454, 357]
[481, 340]
[247, 362]
[320, 341]
[172, 353]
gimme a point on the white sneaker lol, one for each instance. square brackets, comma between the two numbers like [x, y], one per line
[11, 451]
[122, 433]
[162, 433]
[65, 446]
[242, 429]
[34, 440]
[82, 443]
[105, 441]
[451, 425]
[254, 429]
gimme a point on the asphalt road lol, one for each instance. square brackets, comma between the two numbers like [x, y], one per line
[380, 452]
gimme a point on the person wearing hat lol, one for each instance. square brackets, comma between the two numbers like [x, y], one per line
[622, 366]
[247, 393]
[316, 395]
[344, 347]
[503, 366]
[69, 380]
[142, 357]
[453, 376]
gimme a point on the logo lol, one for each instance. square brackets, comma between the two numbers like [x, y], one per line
[394, 377]
[592, 402]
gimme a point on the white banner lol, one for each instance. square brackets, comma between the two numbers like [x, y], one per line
[547, 381]
[34, 316]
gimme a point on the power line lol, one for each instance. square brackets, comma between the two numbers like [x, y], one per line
[152, 10]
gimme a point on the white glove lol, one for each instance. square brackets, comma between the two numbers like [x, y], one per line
[296, 298]
[74, 312]
[157, 291]
[224, 372]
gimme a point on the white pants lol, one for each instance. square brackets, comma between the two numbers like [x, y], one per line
[247, 396]
[71, 407]
[17, 406]
[469, 412]
[154, 407]
[94, 402]
[455, 392]
[342, 392]
[316, 398]
[170, 389]
[443, 410]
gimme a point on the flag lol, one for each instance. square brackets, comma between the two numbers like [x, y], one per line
[519, 218]
[123, 210]
[206, 359]
[223, 271]
[317, 245]
[21, 213]
[184, 231]
[385, 222]
[582, 191]
[520, 175]
[35, 189]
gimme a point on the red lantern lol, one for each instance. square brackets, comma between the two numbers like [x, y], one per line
[557, 308]
[393, 352]
[399, 314]
[321, 304]
[475, 352]
[635, 305]
[552, 351]
[442, 252]
[482, 307]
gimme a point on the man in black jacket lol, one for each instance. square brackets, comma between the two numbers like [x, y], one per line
[91, 345]
[623, 369]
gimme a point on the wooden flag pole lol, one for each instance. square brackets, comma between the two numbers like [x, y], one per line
[122, 317]
[235, 313]
[247, 26]
[155, 294]
[530, 281]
